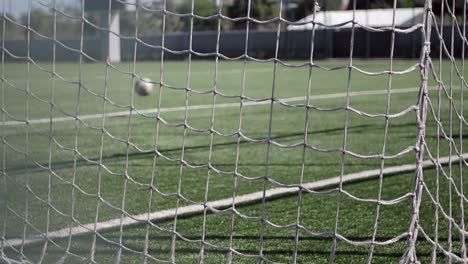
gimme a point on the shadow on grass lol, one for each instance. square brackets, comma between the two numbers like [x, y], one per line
[142, 155]
[454, 136]
[82, 248]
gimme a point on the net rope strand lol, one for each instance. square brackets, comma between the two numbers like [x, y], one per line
[270, 132]
[306, 133]
[4, 177]
[179, 195]
[436, 211]
[77, 126]
[345, 137]
[50, 145]
[156, 142]
[100, 160]
[129, 130]
[450, 206]
[410, 255]
[25, 226]
[429, 111]
[439, 121]
[239, 137]
[201, 256]
[462, 202]
[384, 145]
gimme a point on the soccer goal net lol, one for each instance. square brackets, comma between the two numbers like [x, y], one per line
[233, 131]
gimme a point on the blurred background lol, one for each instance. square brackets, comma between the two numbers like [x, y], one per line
[141, 21]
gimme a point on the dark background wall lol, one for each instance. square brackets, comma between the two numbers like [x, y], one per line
[261, 44]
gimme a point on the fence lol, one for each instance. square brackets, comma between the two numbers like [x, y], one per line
[329, 43]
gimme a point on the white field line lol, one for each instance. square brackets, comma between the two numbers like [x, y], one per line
[226, 71]
[210, 106]
[225, 203]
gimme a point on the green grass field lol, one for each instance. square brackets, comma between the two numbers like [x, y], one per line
[58, 163]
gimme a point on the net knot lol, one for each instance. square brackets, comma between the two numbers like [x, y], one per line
[317, 7]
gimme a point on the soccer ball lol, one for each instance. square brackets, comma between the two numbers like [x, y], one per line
[143, 86]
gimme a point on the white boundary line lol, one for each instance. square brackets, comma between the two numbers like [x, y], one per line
[210, 106]
[224, 71]
[225, 203]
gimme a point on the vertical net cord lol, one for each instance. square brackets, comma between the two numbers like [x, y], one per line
[156, 138]
[129, 129]
[51, 109]
[306, 133]
[345, 137]
[4, 203]
[410, 256]
[212, 122]
[28, 83]
[384, 146]
[101, 150]
[462, 87]
[438, 117]
[184, 136]
[77, 125]
[270, 128]
[239, 134]
[450, 213]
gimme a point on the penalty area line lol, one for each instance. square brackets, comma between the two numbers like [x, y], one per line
[209, 106]
[224, 203]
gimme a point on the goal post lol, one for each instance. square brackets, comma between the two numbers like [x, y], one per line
[238, 150]
[109, 11]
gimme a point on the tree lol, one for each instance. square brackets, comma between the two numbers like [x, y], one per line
[11, 30]
[409, 3]
[201, 8]
[42, 21]
[259, 9]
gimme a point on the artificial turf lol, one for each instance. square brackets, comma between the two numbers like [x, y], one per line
[59, 162]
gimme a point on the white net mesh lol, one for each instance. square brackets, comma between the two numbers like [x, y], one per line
[251, 148]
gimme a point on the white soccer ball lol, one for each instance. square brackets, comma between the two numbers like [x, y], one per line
[144, 86]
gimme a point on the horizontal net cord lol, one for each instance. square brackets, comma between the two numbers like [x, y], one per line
[265, 101]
